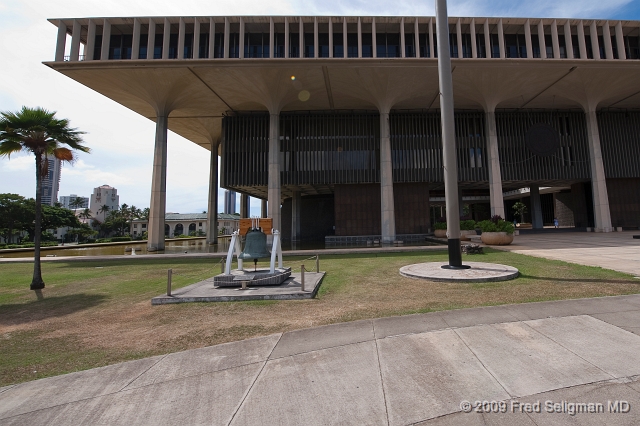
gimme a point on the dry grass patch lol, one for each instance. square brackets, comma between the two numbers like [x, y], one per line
[95, 314]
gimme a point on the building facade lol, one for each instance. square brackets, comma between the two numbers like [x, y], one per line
[193, 224]
[335, 120]
[104, 199]
[51, 182]
[68, 202]
[229, 202]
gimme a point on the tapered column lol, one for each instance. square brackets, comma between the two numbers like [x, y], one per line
[244, 206]
[582, 41]
[620, 41]
[227, 31]
[568, 41]
[166, 38]
[181, 29]
[359, 38]
[387, 206]
[195, 53]
[212, 208]
[487, 40]
[89, 48]
[474, 46]
[331, 37]
[527, 39]
[212, 40]
[263, 208]
[135, 44]
[62, 41]
[606, 35]
[274, 170]
[536, 207]
[459, 38]
[106, 39]
[151, 40]
[295, 216]
[402, 39]
[541, 41]
[493, 160]
[501, 39]
[555, 42]
[595, 46]
[75, 41]
[158, 187]
[601, 211]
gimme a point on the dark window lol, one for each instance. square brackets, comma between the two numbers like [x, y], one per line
[278, 45]
[388, 45]
[515, 46]
[294, 45]
[308, 45]
[495, 45]
[576, 46]
[535, 45]
[603, 55]
[234, 45]
[157, 47]
[218, 47]
[480, 47]
[97, 48]
[614, 46]
[323, 45]
[453, 45]
[256, 45]
[466, 46]
[173, 46]
[548, 44]
[203, 49]
[587, 41]
[632, 47]
[142, 52]
[563, 46]
[425, 48]
[409, 45]
[352, 45]
[338, 46]
[367, 45]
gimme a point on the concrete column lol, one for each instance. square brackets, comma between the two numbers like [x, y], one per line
[241, 41]
[501, 39]
[554, 39]
[61, 42]
[286, 38]
[315, 37]
[330, 38]
[487, 38]
[272, 36]
[106, 38]
[212, 207]
[536, 207]
[387, 205]
[432, 45]
[227, 31]
[212, 39]
[493, 160]
[274, 170]
[601, 211]
[90, 47]
[459, 38]
[595, 46]
[166, 38]
[244, 206]
[196, 39]
[295, 216]
[416, 34]
[620, 41]
[582, 41]
[344, 37]
[568, 41]
[474, 47]
[301, 38]
[74, 55]
[151, 39]
[402, 40]
[263, 208]
[541, 41]
[181, 28]
[606, 35]
[158, 187]
[135, 45]
[527, 38]
[374, 41]
[359, 37]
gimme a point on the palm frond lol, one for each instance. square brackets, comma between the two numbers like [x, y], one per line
[8, 147]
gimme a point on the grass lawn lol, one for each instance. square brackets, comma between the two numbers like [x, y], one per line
[99, 313]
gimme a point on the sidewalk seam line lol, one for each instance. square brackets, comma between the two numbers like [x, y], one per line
[384, 394]
[140, 375]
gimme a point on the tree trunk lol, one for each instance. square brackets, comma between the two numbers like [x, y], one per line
[37, 283]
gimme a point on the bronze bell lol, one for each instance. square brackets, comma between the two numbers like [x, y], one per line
[255, 246]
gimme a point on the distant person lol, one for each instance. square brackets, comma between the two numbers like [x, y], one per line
[555, 222]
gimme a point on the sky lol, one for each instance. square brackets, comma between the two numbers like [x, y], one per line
[122, 141]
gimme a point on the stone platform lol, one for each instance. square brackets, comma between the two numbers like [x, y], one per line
[206, 291]
[260, 276]
[478, 273]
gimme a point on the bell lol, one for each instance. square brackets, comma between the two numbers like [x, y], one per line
[255, 246]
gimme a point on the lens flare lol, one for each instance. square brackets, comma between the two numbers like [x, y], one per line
[293, 78]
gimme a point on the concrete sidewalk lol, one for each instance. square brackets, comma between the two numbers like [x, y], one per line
[611, 250]
[398, 371]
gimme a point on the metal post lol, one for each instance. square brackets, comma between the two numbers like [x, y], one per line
[302, 278]
[448, 138]
[317, 263]
[222, 266]
[169, 273]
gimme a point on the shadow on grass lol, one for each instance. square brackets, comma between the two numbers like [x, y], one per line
[48, 307]
[581, 280]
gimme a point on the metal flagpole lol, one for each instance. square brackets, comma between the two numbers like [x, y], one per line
[448, 138]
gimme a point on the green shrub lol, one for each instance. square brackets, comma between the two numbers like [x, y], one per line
[441, 225]
[3, 245]
[182, 236]
[103, 240]
[119, 239]
[467, 225]
[500, 226]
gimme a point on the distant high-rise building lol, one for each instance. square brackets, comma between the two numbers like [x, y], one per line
[51, 182]
[229, 202]
[106, 196]
[68, 202]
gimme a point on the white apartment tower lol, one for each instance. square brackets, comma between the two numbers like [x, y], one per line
[106, 196]
[51, 182]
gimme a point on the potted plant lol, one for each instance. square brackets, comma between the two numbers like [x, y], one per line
[496, 231]
[440, 228]
[519, 210]
[467, 227]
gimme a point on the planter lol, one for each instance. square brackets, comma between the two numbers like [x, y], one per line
[440, 233]
[464, 234]
[496, 238]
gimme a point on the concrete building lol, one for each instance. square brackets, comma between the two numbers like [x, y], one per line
[335, 120]
[51, 182]
[229, 202]
[67, 202]
[104, 199]
[188, 224]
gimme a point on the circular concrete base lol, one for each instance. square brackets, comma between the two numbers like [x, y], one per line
[479, 272]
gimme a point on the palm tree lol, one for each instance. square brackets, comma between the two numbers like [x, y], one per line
[38, 131]
[76, 203]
